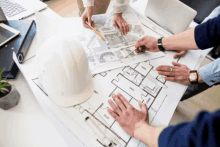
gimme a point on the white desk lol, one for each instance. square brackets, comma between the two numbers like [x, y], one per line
[26, 124]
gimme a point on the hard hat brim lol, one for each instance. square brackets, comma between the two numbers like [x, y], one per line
[69, 101]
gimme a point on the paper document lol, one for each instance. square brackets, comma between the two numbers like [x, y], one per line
[136, 82]
[107, 55]
[102, 55]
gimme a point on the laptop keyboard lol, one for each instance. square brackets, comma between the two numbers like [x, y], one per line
[11, 8]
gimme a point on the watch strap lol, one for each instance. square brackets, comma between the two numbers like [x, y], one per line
[159, 44]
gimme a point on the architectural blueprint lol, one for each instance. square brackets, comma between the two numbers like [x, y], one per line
[136, 82]
[108, 52]
[103, 55]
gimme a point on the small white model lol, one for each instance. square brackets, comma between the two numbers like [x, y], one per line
[64, 71]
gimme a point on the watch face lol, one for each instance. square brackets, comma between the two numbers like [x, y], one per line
[192, 77]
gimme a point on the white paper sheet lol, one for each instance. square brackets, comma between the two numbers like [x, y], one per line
[102, 55]
[136, 82]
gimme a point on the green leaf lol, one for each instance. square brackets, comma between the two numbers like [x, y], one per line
[1, 86]
[5, 84]
[2, 91]
[1, 72]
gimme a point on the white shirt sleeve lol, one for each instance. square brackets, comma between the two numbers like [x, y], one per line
[120, 5]
[88, 3]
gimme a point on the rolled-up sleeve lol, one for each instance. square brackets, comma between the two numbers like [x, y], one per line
[88, 3]
[120, 5]
[208, 34]
[210, 73]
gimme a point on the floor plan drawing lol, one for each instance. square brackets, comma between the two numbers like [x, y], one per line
[134, 77]
[137, 82]
[109, 50]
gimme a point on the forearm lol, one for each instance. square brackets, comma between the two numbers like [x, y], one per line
[148, 134]
[182, 41]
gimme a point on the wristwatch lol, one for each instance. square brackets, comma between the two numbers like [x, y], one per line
[159, 44]
[193, 77]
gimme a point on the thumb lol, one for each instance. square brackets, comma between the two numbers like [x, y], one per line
[139, 43]
[143, 107]
[141, 39]
[176, 64]
[90, 20]
[177, 55]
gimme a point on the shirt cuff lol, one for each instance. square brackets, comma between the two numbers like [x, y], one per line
[88, 3]
[210, 74]
[120, 9]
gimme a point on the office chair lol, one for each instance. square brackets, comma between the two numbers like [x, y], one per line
[203, 7]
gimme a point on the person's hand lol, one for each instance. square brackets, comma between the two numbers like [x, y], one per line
[87, 17]
[180, 53]
[178, 73]
[133, 121]
[119, 22]
[129, 118]
[147, 43]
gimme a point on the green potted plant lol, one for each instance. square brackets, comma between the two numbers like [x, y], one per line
[9, 96]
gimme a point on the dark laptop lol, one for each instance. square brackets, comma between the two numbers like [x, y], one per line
[19, 45]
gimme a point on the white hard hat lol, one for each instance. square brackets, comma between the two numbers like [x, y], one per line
[64, 71]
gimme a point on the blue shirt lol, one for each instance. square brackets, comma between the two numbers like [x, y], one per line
[204, 131]
[210, 73]
[208, 35]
